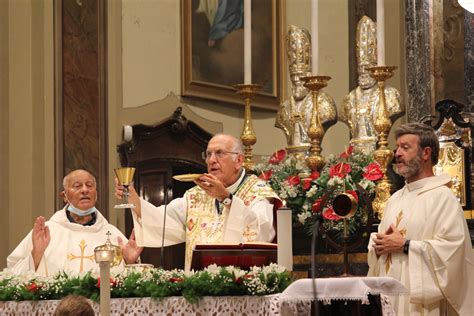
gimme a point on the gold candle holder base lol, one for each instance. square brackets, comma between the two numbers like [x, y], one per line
[315, 161]
[383, 155]
[248, 137]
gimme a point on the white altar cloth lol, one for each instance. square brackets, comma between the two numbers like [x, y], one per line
[175, 305]
[295, 300]
[297, 297]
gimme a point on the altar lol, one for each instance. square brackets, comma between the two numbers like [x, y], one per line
[295, 300]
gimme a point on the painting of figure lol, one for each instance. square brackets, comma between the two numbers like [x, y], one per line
[213, 33]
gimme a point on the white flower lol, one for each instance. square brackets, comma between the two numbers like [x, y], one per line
[312, 191]
[334, 181]
[302, 217]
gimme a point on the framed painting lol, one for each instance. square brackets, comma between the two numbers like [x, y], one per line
[213, 50]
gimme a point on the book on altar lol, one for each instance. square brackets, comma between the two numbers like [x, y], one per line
[243, 255]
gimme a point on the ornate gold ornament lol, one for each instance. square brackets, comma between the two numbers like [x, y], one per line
[248, 137]
[383, 155]
[294, 115]
[359, 108]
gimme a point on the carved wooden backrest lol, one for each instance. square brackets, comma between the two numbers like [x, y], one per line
[454, 134]
[172, 147]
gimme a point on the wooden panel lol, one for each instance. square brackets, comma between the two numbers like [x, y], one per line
[81, 122]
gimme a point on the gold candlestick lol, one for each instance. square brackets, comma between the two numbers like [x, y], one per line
[248, 137]
[315, 131]
[383, 155]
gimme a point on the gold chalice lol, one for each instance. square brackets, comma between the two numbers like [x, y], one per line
[125, 177]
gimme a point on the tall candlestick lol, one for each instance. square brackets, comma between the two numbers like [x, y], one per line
[247, 42]
[380, 33]
[314, 38]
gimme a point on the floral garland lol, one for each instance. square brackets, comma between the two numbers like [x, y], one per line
[155, 283]
[311, 197]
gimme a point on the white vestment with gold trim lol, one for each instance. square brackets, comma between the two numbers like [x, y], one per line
[439, 269]
[71, 248]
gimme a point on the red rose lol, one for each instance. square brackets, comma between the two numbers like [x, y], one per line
[277, 157]
[373, 172]
[340, 170]
[329, 214]
[317, 207]
[266, 175]
[32, 287]
[112, 282]
[293, 180]
[346, 153]
[175, 280]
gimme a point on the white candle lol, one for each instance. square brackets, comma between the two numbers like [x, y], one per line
[247, 42]
[380, 33]
[314, 38]
[104, 288]
[285, 238]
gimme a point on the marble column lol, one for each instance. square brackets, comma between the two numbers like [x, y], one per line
[417, 17]
[469, 60]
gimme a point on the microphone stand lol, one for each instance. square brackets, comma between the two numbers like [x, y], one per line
[313, 264]
[168, 189]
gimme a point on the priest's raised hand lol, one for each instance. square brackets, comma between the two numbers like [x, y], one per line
[40, 238]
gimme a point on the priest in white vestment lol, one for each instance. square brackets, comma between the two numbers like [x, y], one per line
[66, 242]
[226, 206]
[423, 239]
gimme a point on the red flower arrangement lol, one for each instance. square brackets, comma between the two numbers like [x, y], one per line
[344, 173]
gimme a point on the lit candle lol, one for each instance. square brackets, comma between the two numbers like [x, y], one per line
[380, 33]
[247, 42]
[314, 38]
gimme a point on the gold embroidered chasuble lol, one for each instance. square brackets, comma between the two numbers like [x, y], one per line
[206, 225]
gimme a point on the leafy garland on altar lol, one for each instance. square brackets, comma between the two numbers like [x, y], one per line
[311, 197]
[155, 283]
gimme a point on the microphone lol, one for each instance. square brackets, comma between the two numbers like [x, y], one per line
[168, 190]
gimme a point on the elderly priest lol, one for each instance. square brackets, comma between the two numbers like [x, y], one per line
[226, 206]
[66, 242]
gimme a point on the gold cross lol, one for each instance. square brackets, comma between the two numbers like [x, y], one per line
[248, 234]
[403, 232]
[83, 246]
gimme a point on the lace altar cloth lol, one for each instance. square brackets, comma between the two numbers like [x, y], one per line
[298, 296]
[175, 305]
[295, 300]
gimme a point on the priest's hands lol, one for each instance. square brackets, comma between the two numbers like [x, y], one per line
[132, 197]
[212, 186]
[388, 242]
[41, 238]
[130, 250]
